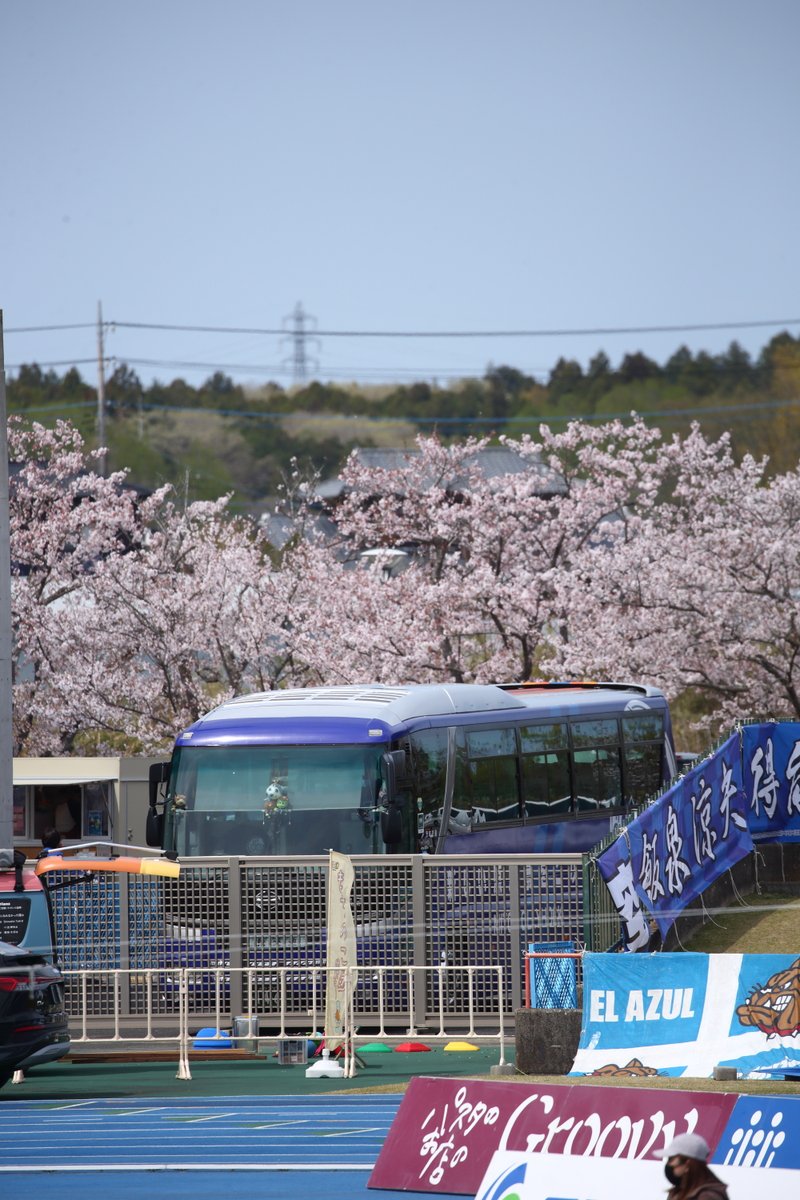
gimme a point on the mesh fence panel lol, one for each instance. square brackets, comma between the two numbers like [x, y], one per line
[283, 923]
[223, 914]
[468, 921]
[87, 917]
[175, 923]
[551, 904]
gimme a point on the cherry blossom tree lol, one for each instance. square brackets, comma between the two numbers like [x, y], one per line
[610, 552]
[66, 520]
[132, 617]
[481, 599]
[707, 597]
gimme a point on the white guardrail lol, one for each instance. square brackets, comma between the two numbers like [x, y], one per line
[180, 1028]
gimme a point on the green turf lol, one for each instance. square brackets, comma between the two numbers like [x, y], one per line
[264, 1076]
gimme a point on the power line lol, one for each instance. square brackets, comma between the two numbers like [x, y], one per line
[472, 333]
[50, 328]
[345, 372]
[59, 362]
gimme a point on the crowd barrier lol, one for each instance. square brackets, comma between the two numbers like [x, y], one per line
[229, 915]
[260, 1029]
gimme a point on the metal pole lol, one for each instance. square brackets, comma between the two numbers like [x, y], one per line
[101, 387]
[6, 737]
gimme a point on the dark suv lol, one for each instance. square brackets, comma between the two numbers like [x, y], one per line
[33, 1020]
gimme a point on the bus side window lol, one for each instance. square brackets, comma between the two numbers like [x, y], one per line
[493, 774]
[643, 735]
[546, 789]
[596, 764]
[428, 754]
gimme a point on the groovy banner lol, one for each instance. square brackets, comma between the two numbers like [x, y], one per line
[669, 854]
[684, 1014]
[446, 1130]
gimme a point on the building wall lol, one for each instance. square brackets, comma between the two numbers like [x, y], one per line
[82, 798]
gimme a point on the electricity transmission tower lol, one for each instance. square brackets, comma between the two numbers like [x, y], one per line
[300, 337]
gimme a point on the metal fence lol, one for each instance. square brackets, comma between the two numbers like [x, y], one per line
[223, 917]
[179, 1031]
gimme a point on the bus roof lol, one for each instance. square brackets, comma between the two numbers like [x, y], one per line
[378, 712]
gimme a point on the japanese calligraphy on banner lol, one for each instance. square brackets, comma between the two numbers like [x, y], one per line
[684, 1014]
[771, 755]
[446, 1130]
[341, 949]
[679, 845]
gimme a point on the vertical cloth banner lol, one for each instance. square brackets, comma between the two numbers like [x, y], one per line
[670, 854]
[341, 949]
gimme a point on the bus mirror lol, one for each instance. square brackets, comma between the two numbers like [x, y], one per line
[393, 765]
[392, 827]
[159, 773]
[154, 829]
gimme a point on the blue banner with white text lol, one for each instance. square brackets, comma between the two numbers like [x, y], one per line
[670, 854]
[771, 764]
[684, 1014]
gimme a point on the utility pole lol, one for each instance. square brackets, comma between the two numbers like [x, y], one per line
[6, 738]
[101, 387]
[299, 336]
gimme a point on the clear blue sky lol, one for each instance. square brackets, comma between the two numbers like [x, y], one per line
[396, 165]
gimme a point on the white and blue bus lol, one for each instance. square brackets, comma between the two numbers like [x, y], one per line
[447, 768]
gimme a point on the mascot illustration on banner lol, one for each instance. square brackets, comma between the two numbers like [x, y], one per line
[635, 1069]
[775, 1007]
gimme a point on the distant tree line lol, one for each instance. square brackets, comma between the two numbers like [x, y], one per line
[752, 398]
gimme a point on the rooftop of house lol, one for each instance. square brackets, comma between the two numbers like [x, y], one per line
[493, 461]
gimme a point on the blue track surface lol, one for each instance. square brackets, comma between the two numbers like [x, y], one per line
[198, 1148]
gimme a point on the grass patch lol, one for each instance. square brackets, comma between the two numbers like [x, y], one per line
[744, 1087]
[766, 924]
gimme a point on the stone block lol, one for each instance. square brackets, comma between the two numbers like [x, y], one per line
[546, 1040]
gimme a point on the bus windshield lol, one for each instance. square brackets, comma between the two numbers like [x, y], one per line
[267, 799]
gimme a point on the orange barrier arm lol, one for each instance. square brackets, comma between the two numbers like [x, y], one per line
[128, 866]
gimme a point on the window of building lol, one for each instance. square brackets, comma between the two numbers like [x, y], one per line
[20, 823]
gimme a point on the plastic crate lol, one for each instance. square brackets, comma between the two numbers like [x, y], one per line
[292, 1051]
[553, 981]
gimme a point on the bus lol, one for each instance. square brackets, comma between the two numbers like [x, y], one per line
[482, 769]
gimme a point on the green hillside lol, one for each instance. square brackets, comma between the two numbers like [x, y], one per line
[222, 437]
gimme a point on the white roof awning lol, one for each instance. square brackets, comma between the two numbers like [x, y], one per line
[59, 772]
[21, 779]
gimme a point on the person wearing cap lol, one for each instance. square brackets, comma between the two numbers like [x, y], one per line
[686, 1167]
